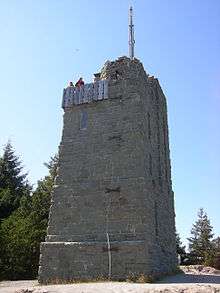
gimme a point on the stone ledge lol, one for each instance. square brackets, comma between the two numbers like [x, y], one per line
[89, 243]
[96, 237]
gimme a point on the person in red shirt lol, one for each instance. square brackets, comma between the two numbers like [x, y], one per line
[79, 83]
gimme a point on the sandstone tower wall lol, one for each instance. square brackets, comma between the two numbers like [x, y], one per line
[112, 212]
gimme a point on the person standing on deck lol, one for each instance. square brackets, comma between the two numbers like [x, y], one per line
[80, 82]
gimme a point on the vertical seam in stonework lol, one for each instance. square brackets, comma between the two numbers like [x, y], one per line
[165, 148]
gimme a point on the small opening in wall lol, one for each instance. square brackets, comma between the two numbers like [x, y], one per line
[109, 190]
[83, 120]
[153, 183]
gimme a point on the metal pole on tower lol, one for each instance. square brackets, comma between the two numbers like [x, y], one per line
[131, 34]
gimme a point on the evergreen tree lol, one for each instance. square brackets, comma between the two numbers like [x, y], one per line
[13, 184]
[200, 245]
[180, 249]
[24, 229]
[216, 244]
[18, 251]
[41, 200]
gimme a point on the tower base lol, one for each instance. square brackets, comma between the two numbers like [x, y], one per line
[81, 261]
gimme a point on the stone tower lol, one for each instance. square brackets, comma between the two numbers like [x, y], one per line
[112, 212]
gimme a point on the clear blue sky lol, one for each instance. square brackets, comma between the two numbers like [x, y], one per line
[45, 43]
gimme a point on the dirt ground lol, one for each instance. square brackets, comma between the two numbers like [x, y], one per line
[194, 279]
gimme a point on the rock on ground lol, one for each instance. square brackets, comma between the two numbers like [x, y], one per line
[195, 279]
[200, 270]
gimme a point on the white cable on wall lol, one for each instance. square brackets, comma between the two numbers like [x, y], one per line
[109, 257]
[108, 239]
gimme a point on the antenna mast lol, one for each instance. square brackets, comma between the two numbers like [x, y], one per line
[131, 34]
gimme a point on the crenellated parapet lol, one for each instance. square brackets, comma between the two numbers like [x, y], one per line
[73, 96]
